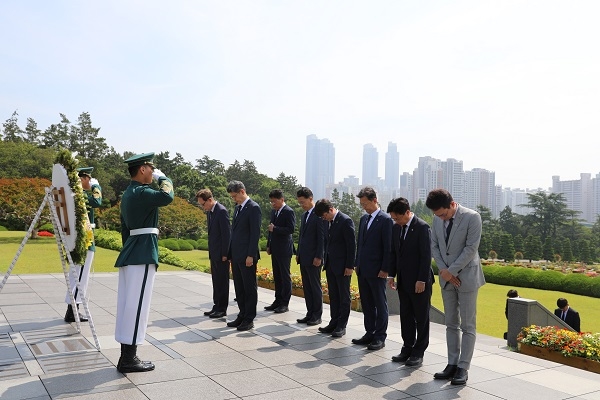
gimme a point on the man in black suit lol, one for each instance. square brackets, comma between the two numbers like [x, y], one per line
[372, 265]
[567, 314]
[311, 247]
[280, 246]
[340, 249]
[411, 262]
[219, 235]
[244, 254]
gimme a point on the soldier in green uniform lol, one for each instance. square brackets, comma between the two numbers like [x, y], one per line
[93, 194]
[138, 260]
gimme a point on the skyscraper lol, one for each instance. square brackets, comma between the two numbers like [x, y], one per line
[392, 167]
[370, 164]
[320, 165]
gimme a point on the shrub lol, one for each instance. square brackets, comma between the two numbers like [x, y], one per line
[108, 239]
[171, 244]
[202, 244]
[192, 242]
[184, 245]
[262, 244]
[3, 228]
[47, 228]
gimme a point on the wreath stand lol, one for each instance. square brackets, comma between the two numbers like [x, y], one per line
[55, 199]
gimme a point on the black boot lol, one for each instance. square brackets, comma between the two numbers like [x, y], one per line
[129, 361]
[70, 316]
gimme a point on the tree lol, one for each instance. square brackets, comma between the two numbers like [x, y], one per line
[84, 139]
[567, 251]
[549, 213]
[507, 248]
[533, 247]
[548, 250]
[585, 254]
[519, 244]
[422, 211]
[20, 200]
[350, 207]
[509, 221]
[12, 132]
[485, 246]
[32, 133]
[57, 136]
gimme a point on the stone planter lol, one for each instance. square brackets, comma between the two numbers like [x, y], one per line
[555, 356]
[266, 284]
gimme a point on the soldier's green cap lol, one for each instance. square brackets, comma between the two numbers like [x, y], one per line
[140, 159]
[87, 171]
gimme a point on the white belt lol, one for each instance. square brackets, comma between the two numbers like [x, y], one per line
[143, 231]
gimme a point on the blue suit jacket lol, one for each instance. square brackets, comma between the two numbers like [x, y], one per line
[311, 243]
[219, 232]
[340, 245]
[373, 248]
[245, 232]
[412, 261]
[280, 242]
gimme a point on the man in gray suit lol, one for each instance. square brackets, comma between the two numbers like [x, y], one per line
[454, 247]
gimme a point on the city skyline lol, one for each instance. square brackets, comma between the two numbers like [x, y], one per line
[507, 86]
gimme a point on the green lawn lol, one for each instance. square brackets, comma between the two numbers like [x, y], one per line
[41, 256]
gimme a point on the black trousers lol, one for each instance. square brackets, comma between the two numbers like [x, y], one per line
[282, 278]
[246, 292]
[414, 320]
[219, 273]
[313, 295]
[339, 299]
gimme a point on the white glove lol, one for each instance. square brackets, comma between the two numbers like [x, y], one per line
[157, 174]
[94, 181]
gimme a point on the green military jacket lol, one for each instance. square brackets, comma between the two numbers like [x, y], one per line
[139, 209]
[94, 200]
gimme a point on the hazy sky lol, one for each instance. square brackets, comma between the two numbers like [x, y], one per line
[509, 86]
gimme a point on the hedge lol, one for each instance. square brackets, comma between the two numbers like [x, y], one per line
[112, 240]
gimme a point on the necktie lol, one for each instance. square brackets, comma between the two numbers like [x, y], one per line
[367, 225]
[564, 316]
[209, 218]
[402, 235]
[237, 211]
[448, 229]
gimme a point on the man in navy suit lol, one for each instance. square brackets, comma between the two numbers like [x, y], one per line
[219, 235]
[372, 265]
[411, 262]
[340, 249]
[567, 314]
[280, 245]
[311, 247]
[244, 254]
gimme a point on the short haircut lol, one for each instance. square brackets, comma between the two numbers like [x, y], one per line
[398, 206]
[562, 302]
[438, 198]
[322, 207]
[133, 171]
[276, 194]
[304, 192]
[235, 187]
[204, 194]
[512, 293]
[367, 192]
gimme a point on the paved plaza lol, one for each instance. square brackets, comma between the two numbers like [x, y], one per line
[42, 357]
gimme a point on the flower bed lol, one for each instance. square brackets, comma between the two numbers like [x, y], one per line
[568, 344]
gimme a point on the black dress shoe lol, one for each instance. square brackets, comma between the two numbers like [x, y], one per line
[376, 345]
[272, 307]
[460, 377]
[302, 320]
[245, 326]
[312, 322]
[235, 323]
[218, 314]
[401, 358]
[327, 329]
[207, 313]
[281, 309]
[363, 340]
[414, 361]
[447, 373]
[338, 332]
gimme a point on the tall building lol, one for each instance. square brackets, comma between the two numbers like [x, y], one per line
[578, 195]
[392, 167]
[454, 179]
[370, 164]
[320, 165]
[480, 189]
